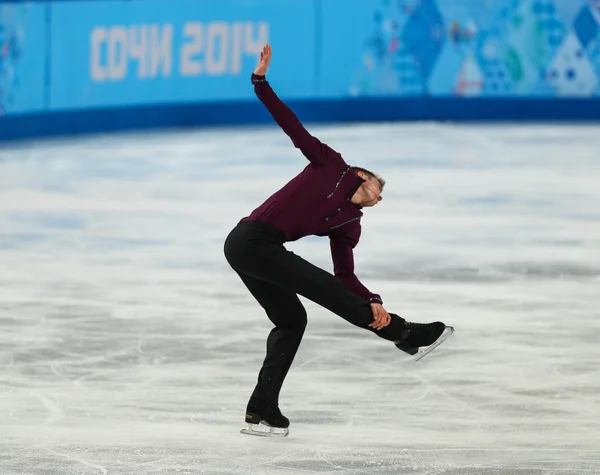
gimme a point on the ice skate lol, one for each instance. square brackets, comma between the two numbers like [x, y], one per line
[265, 420]
[420, 339]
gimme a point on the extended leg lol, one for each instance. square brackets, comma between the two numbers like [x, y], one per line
[328, 291]
[251, 250]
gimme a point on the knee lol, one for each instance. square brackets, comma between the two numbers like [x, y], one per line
[298, 325]
[301, 320]
[298, 322]
[293, 320]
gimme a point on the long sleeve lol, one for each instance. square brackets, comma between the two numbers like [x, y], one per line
[315, 151]
[342, 253]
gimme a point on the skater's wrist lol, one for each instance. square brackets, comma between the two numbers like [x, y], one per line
[257, 78]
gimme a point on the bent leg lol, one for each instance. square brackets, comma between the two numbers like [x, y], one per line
[330, 292]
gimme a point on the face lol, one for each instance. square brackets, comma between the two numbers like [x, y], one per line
[370, 192]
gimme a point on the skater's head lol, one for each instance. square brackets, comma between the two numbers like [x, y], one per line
[369, 193]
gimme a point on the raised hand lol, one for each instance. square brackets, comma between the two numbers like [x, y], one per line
[265, 60]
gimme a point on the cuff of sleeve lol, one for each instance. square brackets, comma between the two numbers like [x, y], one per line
[256, 78]
[375, 299]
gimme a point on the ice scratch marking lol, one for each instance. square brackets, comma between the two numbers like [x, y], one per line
[77, 459]
[55, 413]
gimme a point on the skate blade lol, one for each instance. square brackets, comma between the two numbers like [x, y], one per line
[448, 331]
[263, 430]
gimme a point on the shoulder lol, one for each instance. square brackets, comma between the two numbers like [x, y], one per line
[333, 161]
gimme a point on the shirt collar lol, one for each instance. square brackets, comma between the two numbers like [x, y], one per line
[355, 186]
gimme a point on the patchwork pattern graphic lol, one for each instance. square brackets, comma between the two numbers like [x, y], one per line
[422, 36]
[545, 48]
[12, 37]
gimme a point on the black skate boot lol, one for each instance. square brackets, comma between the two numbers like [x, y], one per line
[417, 335]
[262, 413]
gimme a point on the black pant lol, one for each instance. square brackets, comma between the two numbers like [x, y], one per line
[275, 277]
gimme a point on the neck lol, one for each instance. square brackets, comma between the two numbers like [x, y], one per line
[358, 197]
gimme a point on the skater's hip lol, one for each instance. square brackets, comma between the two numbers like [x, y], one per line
[258, 231]
[250, 240]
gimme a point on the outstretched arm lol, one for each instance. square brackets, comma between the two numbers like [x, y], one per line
[342, 254]
[310, 146]
[342, 246]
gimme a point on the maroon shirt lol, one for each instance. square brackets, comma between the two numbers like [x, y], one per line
[316, 201]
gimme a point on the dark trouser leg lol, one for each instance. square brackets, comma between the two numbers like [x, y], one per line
[286, 311]
[328, 291]
[253, 250]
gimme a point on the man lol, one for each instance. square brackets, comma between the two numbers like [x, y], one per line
[325, 199]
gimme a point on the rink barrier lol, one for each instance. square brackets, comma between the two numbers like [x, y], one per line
[309, 111]
[80, 67]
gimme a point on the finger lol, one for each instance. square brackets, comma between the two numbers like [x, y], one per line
[375, 310]
[382, 313]
[375, 317]
[384, 320]
[378, 323]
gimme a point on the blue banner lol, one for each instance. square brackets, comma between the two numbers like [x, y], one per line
[113, 53]
[22, 57]
[461, 48]
[118, 60]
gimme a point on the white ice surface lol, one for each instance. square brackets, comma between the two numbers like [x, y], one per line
[128, 346]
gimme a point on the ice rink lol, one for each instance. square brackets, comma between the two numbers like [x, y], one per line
[128, 346]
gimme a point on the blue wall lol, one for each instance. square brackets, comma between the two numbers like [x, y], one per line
[82, 66]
